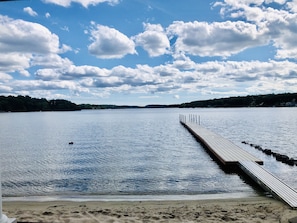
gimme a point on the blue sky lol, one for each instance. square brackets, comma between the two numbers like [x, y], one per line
[139, 52]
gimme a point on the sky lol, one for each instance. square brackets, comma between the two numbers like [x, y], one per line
[140, 52]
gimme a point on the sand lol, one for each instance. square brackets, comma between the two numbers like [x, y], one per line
[253, 209]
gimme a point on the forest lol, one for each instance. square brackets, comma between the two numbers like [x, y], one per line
[27, 104]
[267, 100]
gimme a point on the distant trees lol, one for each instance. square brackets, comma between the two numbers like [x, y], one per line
[268, 100]
[26, 103]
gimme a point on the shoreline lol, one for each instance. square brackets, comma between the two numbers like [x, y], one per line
[120, 198]
[248, 209]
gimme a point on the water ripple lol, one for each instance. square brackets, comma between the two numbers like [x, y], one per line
[131, 152]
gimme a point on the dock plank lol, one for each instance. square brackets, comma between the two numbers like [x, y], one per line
[227, 152]
[270, 182]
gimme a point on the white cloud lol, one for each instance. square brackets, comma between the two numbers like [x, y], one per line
[215, 39]
[154, 40]
[4, 88]
[109, 43]
[24, 73]
[12, 61]
[47, 15]
[85, 3]
[212, 77]
[30, 11]
[4, 77]
[65, 48]
[71, 72]
[25, 44]
[292, 6]
[26, 37]
[50, 61]
[275, 25]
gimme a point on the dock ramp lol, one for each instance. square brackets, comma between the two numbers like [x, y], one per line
[270, 182]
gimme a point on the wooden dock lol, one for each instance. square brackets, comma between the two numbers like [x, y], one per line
[224, 150]
[231, 155]
[270, 183]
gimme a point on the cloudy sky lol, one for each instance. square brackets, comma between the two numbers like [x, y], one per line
[138, 52]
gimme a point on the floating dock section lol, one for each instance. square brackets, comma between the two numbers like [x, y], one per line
[231, 155]
[270, 183]
[224, 150]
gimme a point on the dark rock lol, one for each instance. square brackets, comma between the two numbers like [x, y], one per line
[291, 162]
[285, 158]
[282, 158]
[277, 156]
[258, 147]
[267, 151]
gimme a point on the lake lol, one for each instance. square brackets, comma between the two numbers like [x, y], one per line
[136, 151]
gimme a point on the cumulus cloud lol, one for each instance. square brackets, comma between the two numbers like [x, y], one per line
[50, 61]
[38, 85]
[85, 3]
[215, 39]
[25, 44]
[13, 61]
[26, 37]
[276, 25]
[213, 77]
[30, 11]
[154, 40]
[70, 72]
[109, 43]
[4, 77]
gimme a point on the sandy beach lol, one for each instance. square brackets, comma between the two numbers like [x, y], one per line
[253, 209]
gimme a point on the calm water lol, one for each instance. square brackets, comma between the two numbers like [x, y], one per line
[135, 152]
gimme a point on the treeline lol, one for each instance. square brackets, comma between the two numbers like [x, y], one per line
[28, 104]
[268, 100]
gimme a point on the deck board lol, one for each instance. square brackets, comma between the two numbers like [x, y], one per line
[270, 182]
[227, 152]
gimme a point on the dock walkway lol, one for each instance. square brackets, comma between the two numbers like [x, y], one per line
[225, 151]
[270, 183]
[231, 155]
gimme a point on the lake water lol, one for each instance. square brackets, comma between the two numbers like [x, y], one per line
[136, 151]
